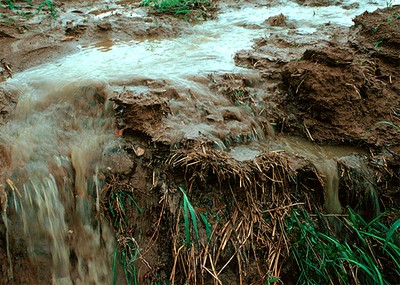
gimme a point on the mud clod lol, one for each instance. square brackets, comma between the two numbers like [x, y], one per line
[277, 21]
[140, 114]
[377, 33]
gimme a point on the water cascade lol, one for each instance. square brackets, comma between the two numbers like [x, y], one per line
[59, 140]
[329, 172]
[325, 159]
[357, 177]
[5, 221]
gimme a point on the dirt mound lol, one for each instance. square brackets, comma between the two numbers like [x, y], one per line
[318, 3]
[218, 109]
[378, 34]
[334, 90]
[336, 95]
[339, 94]
[142, 114]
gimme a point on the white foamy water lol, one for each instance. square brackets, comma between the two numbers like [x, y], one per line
[208, 48]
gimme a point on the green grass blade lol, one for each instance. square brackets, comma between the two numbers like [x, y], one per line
[396, 260]
[391, 232]
[389, 124]
[207, 225]
[136, 204]
[378, 279]
[10, 4]
[193, 216]
[189, 210]
[360, 265]
[186, 219]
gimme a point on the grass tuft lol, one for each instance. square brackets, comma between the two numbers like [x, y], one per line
[180, 7]
[360, 254]
[391, 232]
[47, 5]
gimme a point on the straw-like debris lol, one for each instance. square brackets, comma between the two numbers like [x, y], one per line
[236, 218]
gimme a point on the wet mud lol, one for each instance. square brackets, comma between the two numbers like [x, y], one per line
[29, 38]
[219, 147]
[324, 91]
[336, 91]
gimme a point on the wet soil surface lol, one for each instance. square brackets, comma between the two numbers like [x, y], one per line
[334, 90]
[29, 38]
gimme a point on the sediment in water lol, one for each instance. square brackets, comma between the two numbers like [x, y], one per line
[59, 141]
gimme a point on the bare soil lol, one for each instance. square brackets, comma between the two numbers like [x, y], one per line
[337, 91]
[327, 91]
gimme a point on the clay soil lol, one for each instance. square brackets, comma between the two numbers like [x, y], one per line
[329, 92]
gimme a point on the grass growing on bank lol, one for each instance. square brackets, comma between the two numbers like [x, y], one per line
[360, 253]
[46, 5]
[181, 7]
[238, 221]
[119, 202]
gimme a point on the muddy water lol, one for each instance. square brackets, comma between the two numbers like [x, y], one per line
[207, 48]
[60, 137]
[324, 158]
[62, 133]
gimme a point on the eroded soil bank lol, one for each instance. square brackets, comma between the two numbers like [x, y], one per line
[332, 92]
[203, 189]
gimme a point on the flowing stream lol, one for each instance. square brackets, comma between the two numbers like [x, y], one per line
[58, 140]
[62, 132]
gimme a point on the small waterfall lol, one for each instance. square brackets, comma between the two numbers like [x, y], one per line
[67, 233]
[325, 159]
[359, 181]
[5, 221]
[42, 214]
[328, 170]
[59, 143]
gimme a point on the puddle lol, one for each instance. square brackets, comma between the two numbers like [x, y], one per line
[103, 45]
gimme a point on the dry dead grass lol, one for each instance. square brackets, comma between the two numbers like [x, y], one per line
[246, 203]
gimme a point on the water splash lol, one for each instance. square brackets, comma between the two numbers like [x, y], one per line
[59, 142]
[328, 170]
[10, 265]
[42, 213]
